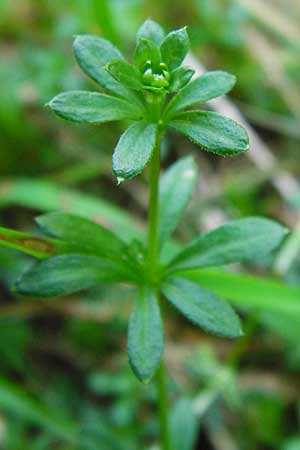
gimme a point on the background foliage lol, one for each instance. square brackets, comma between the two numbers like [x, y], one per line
[63, 368]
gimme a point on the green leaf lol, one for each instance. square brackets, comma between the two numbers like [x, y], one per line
[247, 291]
[202, 307]
[174, 48]
[36, 246]
[126, 74]
[237, 241]
[134, 150]
[146, 51]
[67, 274]
[92, 107]
[176, 187]
[151, 31]
[180, 77]
[86, 237]
[92, 54]
[145, 336]
[208, 86]
[212, 132]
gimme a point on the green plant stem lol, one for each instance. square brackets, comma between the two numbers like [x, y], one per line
[152, 271]
[162, 400]
[153, 212]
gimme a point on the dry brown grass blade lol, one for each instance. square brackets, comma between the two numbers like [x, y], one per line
[273, 18]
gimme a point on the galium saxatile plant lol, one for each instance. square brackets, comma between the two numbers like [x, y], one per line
[156, 93]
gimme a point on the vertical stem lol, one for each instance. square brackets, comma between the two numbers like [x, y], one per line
[163, 407]
[152, 271]
[153, 212]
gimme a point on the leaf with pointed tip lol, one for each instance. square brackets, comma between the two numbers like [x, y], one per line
[237, 241]
[176, 187]
[174, 48]
[180, 77]
[146, 51]
[86, 237]
[36, 246]
[134, 150]
[208, 86]
[92, 107]
[145, 336]
[67, 274]
[126, 74]
[151, 31]
[202, 307]
[92, 53]
[212, 132]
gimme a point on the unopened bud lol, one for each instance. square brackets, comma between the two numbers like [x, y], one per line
[158, 78]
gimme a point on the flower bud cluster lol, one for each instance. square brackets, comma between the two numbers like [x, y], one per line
[158, 77]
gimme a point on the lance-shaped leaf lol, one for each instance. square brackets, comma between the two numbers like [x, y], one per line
[146, 51]
[151, 31]
[212, 132]
[84, 235]
[36, 246]
[208, 86]
[92, 54]
[67, 274]
[145, 336]
[237, 241]
[134, 150]
[174, 48]
[176, 187]
[92, 107]
[202, 307]
[180, 77]
[127, 74]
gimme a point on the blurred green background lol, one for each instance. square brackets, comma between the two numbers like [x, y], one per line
[64, 378]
